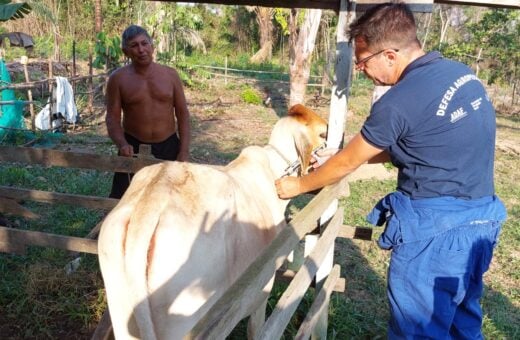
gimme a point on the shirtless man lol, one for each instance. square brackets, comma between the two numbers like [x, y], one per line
[145, 105]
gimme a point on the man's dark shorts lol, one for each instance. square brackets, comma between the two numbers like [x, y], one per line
[167, 150]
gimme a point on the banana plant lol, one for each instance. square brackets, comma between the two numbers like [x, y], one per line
[10, 11]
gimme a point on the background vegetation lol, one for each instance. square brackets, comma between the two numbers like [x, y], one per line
[39, 300]
[486, 39]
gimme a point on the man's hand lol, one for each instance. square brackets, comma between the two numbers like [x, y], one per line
[322, 156]
[287, 187]
[126, 150]
[183, 156]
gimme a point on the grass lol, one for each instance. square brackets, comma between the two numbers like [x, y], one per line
[38, 300]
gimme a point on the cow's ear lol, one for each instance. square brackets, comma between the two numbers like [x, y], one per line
[302, 114]
[302, 139]
[304, 149]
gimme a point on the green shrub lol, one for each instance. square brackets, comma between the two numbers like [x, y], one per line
[251, 96]
[107, 50]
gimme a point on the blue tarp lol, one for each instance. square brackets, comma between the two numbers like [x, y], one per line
[11, 115]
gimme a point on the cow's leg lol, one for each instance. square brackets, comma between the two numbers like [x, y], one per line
[256, 320]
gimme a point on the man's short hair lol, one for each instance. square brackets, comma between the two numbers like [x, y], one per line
[131, 32]
[387, 25]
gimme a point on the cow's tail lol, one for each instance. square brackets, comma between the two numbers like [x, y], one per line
[112, 261]
[139, 245]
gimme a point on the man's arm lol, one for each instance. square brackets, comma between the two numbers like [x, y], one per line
[113, 118]
[182, 115]
[382, 157]
[357, 152]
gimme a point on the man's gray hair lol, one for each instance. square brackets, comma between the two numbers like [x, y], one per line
[133, 31]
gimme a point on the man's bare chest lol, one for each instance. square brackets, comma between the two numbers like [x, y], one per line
[137, 90]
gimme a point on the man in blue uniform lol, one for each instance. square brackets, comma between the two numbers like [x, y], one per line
[436, 124]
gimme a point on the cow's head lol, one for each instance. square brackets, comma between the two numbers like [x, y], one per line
[298, 134]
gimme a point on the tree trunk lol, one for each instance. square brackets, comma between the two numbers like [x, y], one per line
[477, 67]
[301, 43]
[264, 17]
[98, 16]
[444, 25]
[428, 25]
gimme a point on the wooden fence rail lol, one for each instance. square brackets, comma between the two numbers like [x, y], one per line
[15, 240]
[92, 202]
[49, 157]
[38, 83]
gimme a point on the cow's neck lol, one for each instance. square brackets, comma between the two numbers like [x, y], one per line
[282, 147]
[280, 160]
[280, 165]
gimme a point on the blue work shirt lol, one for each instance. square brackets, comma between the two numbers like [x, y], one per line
[438, 125]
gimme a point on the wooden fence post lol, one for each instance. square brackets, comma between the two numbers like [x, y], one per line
[24, 60]
[51, 92]
[335, 135]
[225, 70]
[90, 107]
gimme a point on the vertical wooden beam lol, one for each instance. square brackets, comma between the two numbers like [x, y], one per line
[90, 107]
[342, 79]
[225, 69]
[320, 302]
[24, 60]
[335, 136]
[51, 91]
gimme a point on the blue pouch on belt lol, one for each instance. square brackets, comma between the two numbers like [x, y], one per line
[415, 220]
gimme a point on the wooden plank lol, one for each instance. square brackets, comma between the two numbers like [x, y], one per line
[10, 206]
[324, 4]
[415, 5]
[6, 246]
[225, 313]
[342, 80]
[289, 301]
[287, 276]
[360, 233]
[482, 3]
[319, 305]
[92, 202]
[49, 157]
[35, 238]
[39, 83]
[424, 6]
[93, 235]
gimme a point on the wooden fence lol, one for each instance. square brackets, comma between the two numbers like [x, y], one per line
[215, 71]
[16, 241]
[224, 315]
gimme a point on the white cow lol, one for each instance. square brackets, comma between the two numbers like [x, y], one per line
[183, 232]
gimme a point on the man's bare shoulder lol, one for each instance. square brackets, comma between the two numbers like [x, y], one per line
[166, 69]
[121, 72]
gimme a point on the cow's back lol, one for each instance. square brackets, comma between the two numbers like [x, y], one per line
[185, 233]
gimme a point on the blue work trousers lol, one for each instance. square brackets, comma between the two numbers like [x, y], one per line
[441, 247]
[435, 285]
